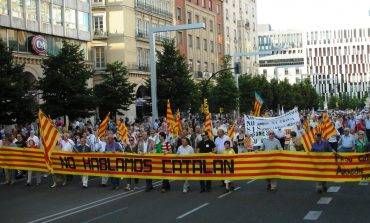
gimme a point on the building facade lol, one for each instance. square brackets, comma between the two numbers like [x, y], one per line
[240, 31]
[338, 60]
[335, 60]
[203, 48]
[121, 31]
[281, 55]
[34, 29]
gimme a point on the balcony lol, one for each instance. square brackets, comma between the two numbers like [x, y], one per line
[97, 3]
[100, 34]
[148, 8]
[137, 67]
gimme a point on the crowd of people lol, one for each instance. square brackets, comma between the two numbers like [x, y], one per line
[353, 131]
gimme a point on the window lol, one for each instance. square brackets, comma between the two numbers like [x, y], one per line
[57, 15]
[13, 39]
[190, 41]
[17, 8]
[198, 66]
[210, 5]
[197, 18]
[189, 17]
[205, 69]
[264, 72]
[198, 42]
[45, 12]
[178, 13]
[4, 7]
[227, 14]
[212, 46]
[218, 9]
[83, 21]
[22, 41]
[99, 57]
[286, 72]
[213, 67]
[205, 23]
[227, 31]
[31, 9]
[3, 35]
[98, 24]
[219, 28]
[297, 71]
[203, 3]
[179, 37]
[70, 18]
[205, 44]
[211, 25]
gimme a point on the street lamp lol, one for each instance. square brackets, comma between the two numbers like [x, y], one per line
[153, 62]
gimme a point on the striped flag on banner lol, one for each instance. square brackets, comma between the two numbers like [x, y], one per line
[103, 126]
[49, 136]
[122, 131]
[257, 105]
[170, 119]
[208, 119]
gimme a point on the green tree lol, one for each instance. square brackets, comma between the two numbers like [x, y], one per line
[333, 102]
[115, 92]
[64, 85]
[305, 96]
[16, 101]
[174, 81]
[225, 94]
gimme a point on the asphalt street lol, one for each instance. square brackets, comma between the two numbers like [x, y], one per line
[295, 201]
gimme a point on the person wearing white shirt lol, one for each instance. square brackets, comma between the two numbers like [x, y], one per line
[220, 140]
[346, 142]
[185, 149]
[90, 138]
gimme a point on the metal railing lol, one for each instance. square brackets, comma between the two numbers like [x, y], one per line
[152, 9]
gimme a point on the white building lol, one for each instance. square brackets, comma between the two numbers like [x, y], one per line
[284, 55]
[338, 60]
[240, 32]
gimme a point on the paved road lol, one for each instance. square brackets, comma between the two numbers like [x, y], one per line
[293, 202]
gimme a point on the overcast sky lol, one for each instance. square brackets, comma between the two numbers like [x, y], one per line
[311, 14]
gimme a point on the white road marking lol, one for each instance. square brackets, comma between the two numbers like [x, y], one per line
[251, 181]
[325, 200]
[105, 215]
[104, 200]
[225, 194]
[363, 183]
[312, 215]
[192, 211]
[333, 189]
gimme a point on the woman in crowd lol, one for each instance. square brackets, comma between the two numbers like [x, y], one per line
[228, 150]
[361, 143]
[131, 148]
[32, 144]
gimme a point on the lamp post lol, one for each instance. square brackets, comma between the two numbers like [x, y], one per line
[153, 61]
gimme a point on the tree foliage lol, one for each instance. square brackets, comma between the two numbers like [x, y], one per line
[225, 92]
[174, 81]
[64, 85]
[16, 100]
[345, 101]
[115, 92]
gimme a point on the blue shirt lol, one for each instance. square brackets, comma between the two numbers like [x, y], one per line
[113, 147]
[322, 146]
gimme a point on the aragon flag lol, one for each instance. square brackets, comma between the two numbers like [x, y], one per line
[257, 105]
[103, 126]
[170, 119]
[122, 132]
[49, 136]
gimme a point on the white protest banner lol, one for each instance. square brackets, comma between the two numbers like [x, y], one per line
[258, 127]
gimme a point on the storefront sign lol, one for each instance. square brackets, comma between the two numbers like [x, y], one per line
[39, 45]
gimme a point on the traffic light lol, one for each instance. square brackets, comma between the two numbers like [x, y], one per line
[237, 67]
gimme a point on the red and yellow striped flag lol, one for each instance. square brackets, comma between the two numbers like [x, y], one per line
[231, 131]
[306, 124]
[208, 119]
[49, 136]
[103, 126]
[178, 125]
[327, 127]
[308, 138]
[257, 105]
[170, 119]
[122, 131]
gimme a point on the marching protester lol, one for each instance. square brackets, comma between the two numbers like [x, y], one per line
[346, 142]
[228, 150]
[84, 148]
[163, 146]
[185, 149]
[321, 145]
[32, 144]
[145, 146]
[269, 144]
[113, 146]
[9, 173]
[131, 148]
[206, 145]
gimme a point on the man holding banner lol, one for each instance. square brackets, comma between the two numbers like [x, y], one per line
[270, 144]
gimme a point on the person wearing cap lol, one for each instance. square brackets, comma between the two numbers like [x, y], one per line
[206, 146]
[361, 143]
[321, 145]
[346, 142]
[271, 143]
